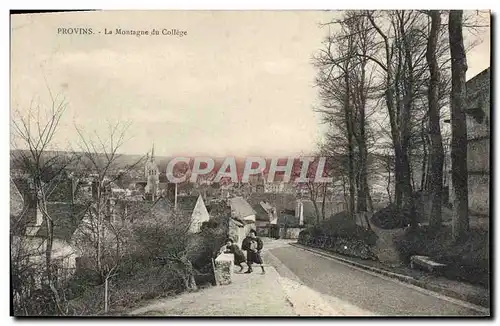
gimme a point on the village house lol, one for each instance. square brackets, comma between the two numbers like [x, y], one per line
[306, 209]
[265, 217]
[29, 228]
[191, 207]
[242, 219]
[195, 208]
[159, 192]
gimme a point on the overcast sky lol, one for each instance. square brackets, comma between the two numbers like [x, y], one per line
[239, 83]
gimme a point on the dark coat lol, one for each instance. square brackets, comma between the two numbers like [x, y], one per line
[253, 256]
[239, 256]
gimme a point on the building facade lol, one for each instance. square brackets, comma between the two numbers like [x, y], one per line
[478, 143]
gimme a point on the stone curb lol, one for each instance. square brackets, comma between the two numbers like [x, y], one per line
[473, 299]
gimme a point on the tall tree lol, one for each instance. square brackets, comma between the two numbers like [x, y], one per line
[436, 150]
[345, 80]
[395, 68]
[100, 233]
[334, 81]
[459, 173]
[34, 136]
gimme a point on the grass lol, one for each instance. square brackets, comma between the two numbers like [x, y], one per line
[466, 261]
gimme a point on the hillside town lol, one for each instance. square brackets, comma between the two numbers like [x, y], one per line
[393, 218]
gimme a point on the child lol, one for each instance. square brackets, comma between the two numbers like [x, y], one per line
[232, 248]
[253, 245]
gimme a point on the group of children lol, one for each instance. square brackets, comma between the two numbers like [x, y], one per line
[253, 246]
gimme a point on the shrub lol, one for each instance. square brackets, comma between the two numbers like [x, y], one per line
[341, 234]
[389, 218]
[161, 258]
[342, 225]
[149, 281]
[468, 261]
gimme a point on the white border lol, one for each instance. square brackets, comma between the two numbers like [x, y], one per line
[199, 4]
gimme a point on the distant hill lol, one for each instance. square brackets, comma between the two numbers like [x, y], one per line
[122, 161]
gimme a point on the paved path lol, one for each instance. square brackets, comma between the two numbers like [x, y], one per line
[248, 295]
[356, 292]
[302, 283]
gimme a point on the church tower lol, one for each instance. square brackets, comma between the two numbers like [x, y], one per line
[152, 176]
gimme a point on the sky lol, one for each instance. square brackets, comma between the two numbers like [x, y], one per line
[239, 83]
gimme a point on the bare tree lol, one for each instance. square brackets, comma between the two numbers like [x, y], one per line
[436, 150]
[458, 125]
[336, 95]
[348, 87]
[100, 231]
[33, 135]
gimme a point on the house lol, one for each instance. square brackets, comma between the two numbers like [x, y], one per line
[242, 219]
[478, 117]
[29, 228]
[307, 209]
[265, 216]
[241, 210]
[194, 206]
[190, 206]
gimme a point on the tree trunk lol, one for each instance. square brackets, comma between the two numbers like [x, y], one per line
[350, 144]
[404, 127]
[313, 195]
[323, 202]
[362, 179]
[424, 158]
[436, 150]
[344, 191]
[370, 201]
[51, 278]
[459, 173]
[389, 179]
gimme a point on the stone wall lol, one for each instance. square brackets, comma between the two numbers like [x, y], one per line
[224, 269]
[290, 233]
[478, 155]
[478, 97]
[479, 194]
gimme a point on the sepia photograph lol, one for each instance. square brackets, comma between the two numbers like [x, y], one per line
[250, 163]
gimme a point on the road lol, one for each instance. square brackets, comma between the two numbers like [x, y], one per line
[337, 282]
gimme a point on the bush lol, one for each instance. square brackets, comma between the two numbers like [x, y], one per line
[161, 258]
[148, 281]
[388, 218]
[340, 234]
[205, 247]
[468, 261]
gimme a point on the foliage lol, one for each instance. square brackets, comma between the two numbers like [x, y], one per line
[162, 259]
[390, 218]
[340, 234]
[468, 261]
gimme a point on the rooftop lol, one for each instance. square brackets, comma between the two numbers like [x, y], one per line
[240, 208]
